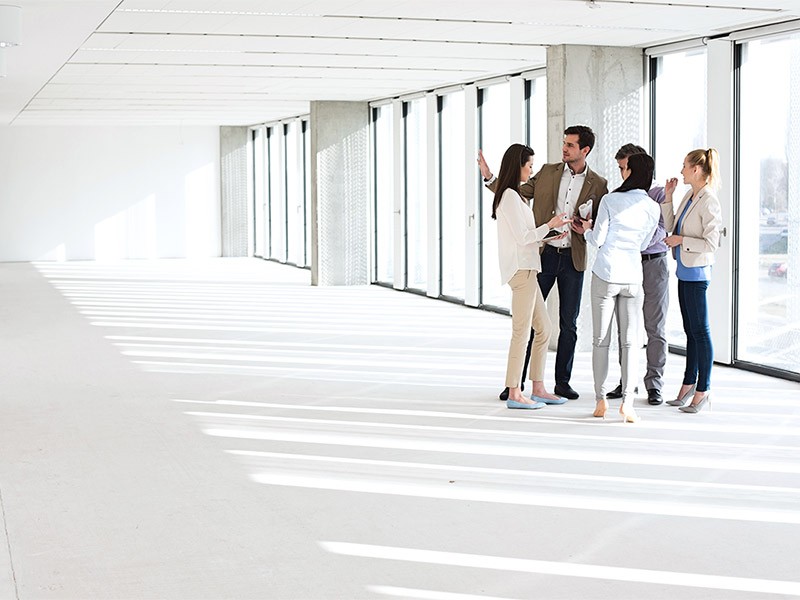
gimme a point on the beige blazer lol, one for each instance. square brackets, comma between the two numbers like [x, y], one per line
[700, 227]
[543, 189]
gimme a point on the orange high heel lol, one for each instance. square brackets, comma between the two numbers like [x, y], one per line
[628, 414]
[600, 409]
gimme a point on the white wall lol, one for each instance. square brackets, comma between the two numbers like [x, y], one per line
[105, 193]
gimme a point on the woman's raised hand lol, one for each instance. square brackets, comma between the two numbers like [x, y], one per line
[670, 186]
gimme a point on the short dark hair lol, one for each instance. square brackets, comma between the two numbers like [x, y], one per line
[629, 150]
[513, 160]
[642, 168]
[584, 133]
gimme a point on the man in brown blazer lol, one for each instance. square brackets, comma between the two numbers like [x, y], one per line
[558, 188]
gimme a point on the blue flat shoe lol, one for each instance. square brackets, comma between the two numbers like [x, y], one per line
[548, 400]
[515, 404]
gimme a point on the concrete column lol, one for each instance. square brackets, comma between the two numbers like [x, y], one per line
[234, 195]
[604, 88]
[340, 249]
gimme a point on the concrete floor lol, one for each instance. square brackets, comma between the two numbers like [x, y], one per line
[219, 429]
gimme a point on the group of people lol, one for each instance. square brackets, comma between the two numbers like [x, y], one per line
[545, 222]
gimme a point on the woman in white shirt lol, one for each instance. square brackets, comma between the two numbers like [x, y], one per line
[519, 241]
[626, 221]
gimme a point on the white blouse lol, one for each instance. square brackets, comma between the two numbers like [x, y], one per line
[625, 224]
[518, 237]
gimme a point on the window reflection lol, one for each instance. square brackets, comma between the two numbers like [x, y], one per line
[680, 127]
[495, 115]
[453, 173]
[416, 196]
[537, 120]
[277, 200]
[384, 193]
[768, 255]
[260, 206]
[307, 190]
[294, 196]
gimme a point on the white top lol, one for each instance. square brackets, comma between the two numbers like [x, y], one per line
[569, 188]
[518, 237]
[624, 228]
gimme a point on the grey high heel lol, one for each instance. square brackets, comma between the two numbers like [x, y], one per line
[685, 398]
[696, 408]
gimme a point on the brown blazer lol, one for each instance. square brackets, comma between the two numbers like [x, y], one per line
[543, 189]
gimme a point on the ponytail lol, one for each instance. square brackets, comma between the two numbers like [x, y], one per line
[708, 161]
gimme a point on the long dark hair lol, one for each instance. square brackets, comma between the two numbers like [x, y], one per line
[513, 160]
[642, 168]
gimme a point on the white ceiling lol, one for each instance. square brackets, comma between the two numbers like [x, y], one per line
[239, 62]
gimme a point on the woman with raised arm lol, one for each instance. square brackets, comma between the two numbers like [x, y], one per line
[519, 240]
[695, 228]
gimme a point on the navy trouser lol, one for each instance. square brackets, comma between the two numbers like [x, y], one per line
[699, 350]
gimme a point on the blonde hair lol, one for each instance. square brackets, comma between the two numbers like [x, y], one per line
[708, 161]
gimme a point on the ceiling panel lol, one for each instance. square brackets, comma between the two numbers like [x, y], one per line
[235, 62]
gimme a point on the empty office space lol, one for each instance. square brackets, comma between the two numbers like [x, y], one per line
[253, 329]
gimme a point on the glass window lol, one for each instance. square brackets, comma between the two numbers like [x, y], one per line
[768, 283]
[495, 137]
[295, 215]
[277, 200]
[537, 120]
[416, 165]
[307, 190]
[260, 207]
[452, 191]
[680, 127]
[384, 193]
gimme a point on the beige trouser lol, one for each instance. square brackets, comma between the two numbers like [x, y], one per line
[527, 310]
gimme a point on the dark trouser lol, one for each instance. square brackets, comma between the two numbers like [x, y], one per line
[557, 268]
[699, 351]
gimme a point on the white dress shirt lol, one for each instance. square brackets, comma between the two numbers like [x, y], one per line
[624, 228]
[568, 191]
[518, 237]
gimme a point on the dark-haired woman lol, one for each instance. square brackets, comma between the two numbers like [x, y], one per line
[519, 241]
[626, 221]
[695, 230]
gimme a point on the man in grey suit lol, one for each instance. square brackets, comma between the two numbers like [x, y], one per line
[561, 188]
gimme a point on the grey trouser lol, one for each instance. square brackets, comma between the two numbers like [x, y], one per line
[656, 303]
[625, 301]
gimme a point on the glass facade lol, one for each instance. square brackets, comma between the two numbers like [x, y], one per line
[495, 137]
[763, 191]
[453, 192]
[383, 151]
[416, 195]
[680, 127]
[281, 205]
[768, 257]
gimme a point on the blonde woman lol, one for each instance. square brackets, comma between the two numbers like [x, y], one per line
[519, 241]
[695, 228]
